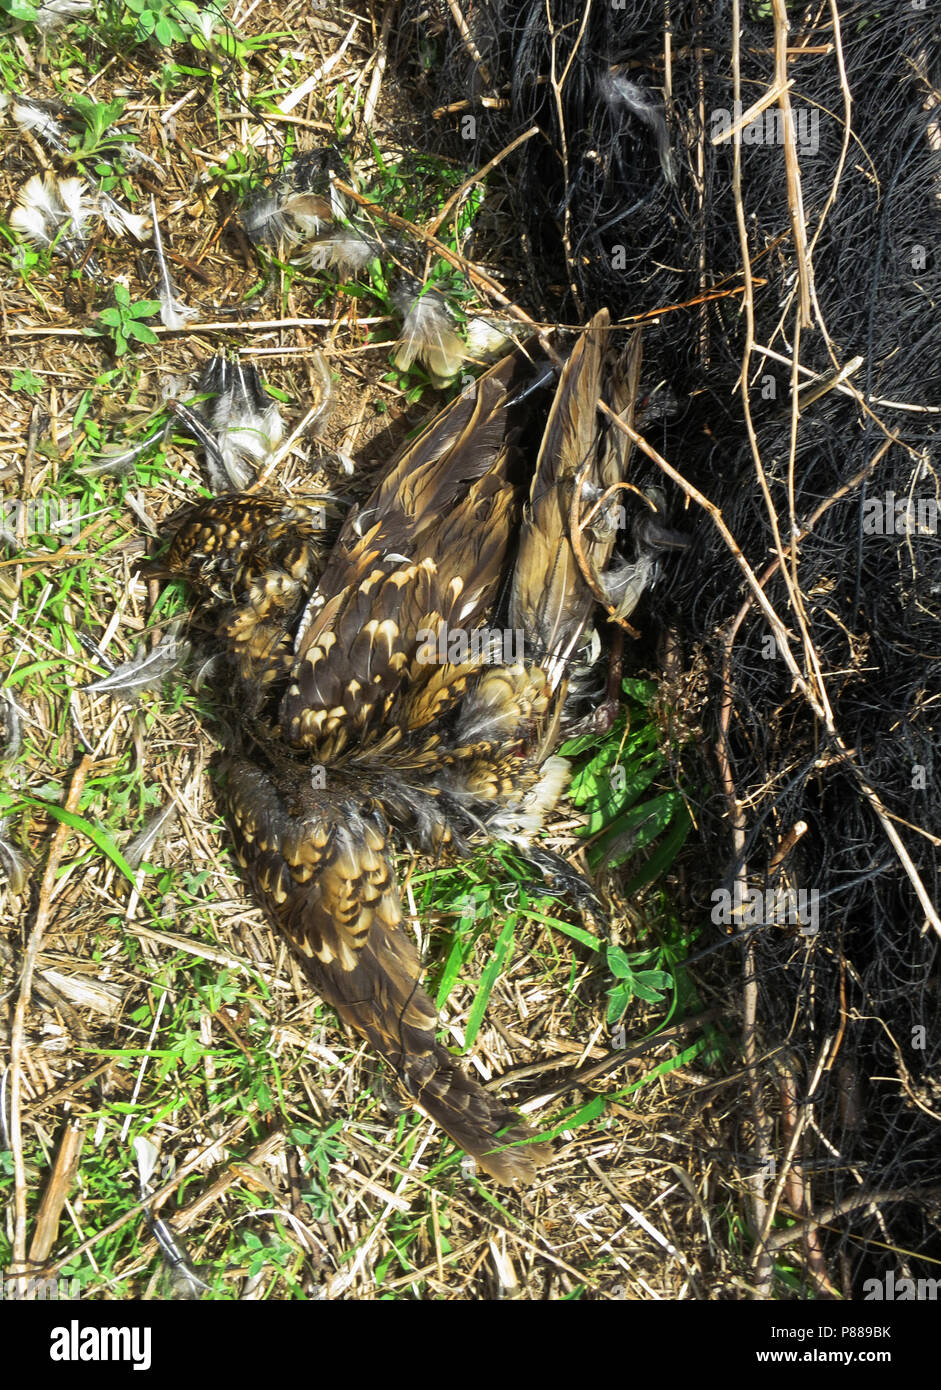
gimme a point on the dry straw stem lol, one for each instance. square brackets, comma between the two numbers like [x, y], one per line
[780, 1240]
[40, 923]
[557, 83]
[224, 325]
[56, 1194]
[193, 1165]
[796, 1113]
[469, 44]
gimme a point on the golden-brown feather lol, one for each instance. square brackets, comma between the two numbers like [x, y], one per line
[381, 728]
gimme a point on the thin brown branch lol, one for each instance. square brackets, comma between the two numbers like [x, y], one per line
[56, 1193]
[795, 197]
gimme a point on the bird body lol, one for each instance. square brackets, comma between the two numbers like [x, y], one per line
[365, 737]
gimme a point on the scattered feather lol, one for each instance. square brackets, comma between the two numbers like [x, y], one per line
[219, 480]
[52, 212]
[281, 215]
[72, 196]
[618, 90]
[120, 220]
[145, 672]
[120, 459]
[138, 849]
[207, 671]
[428, 334]
[341, 248]
[625, 581]
[507, 1282]
[319, 414]
[12, 718]
[311, 213]
[31, 116]
[29, 221]
[13, 862]
[36, 215]
[266, 222]
[8, 538]
[147, 1155]
[56, 12]
[185, 1279]
[173, 312]
[92, 646]
[247, 423]
[488, 339]
[132, 156]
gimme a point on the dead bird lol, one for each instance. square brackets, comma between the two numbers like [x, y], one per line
[413, 683]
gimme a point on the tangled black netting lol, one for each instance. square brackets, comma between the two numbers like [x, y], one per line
[849, 1017]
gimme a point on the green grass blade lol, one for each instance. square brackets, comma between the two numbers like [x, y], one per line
[488, 977]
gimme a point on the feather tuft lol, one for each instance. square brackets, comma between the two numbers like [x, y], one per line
[12, 721]
[173, 312]
[52, 212]
[247, 423]
[283, 216]
[158, 825]
[616, 88]
[33, 117]
[72, 196]
[13, 862]
[120, 459]
[489, 338]
[626, 581]
[56, 12]
[341, 248]
[428, 333]
[266, 221]
[120, 220]
[145, 672]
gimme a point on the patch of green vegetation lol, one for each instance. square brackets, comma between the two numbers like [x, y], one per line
[101, 137]
[610, 781]
[496, 891]
[122, 322]
[320, 1150]
[20, 10]
[28, 382]
[634, 982]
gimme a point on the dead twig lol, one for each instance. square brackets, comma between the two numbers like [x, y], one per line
[17, 1034]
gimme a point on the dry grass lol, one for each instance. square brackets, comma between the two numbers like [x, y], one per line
[168, 1007]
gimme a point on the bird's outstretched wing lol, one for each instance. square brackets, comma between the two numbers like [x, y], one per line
[550, 598]
[424, 555]
[320, 862]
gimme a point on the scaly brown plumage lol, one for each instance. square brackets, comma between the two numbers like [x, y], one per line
[374, 727]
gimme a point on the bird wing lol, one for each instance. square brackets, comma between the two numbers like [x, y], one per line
[549, 599]
[425, 554]
[322, 866]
